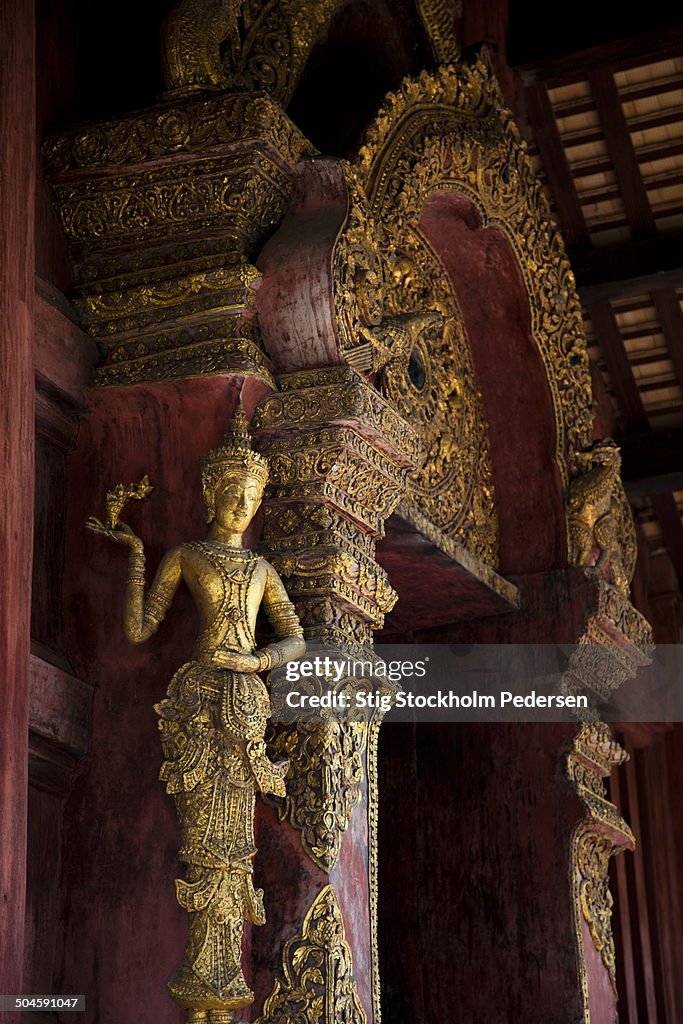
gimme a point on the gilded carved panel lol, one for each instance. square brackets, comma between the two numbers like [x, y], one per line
[398, 320]
[599, 836]
[434, 388]
[317, 982]
[242, 44]
[448, 131]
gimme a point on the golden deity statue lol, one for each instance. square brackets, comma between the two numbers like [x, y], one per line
[214, 717]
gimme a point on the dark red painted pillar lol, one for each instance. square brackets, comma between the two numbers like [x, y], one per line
[17, 182]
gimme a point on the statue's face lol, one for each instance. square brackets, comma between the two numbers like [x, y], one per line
[237, 497]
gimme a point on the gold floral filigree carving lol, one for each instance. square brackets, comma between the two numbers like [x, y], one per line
[361, 587]
[338, 394]
[317, 983]
[370, 340]
[616, 640]
[320, 524]
[432, 384]
[165, 357]
[332, 440]
[339, 457]
[619, 617]
[602, 834]
[438, 18]
[192, 126]
[338, 466]
[163, 212]
[239, 44]
[246, 194]
[325, 782]
[450, 131]
[599, 517]
[452, 487]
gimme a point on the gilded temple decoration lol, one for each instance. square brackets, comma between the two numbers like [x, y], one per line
[449, 131]
[163, 211]
[242, 44]
[616, 639]
[397, 324]
[340, 456]
[615, 642]
[213, 720]
[326, 787]
[433, 385]
[371, 340]
[602, 834]
[358, 272]
[118, 497]
[317, 985]
[438, 18]
[599, 517]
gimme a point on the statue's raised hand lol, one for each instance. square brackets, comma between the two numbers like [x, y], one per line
[122, 533]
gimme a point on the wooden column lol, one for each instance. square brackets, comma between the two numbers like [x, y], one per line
[17, 180]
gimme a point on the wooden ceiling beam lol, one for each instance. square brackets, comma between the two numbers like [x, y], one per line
[670, 319]
[622, 154]
[662, 280]
[652, 463]
[551, 151]
[633, 268]
[613, 350]
[648, 154]
[622, 53]
[656, 87]
[586, 136]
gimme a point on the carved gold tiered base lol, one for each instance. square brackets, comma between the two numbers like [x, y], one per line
[209, 1017]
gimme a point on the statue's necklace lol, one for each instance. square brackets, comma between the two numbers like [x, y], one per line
[231, 553]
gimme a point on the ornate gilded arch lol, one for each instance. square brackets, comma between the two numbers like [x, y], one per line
[210, 45]
[449, 131]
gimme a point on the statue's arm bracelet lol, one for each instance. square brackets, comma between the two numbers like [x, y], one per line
[157, 603]
[284, 619]
[136, 568]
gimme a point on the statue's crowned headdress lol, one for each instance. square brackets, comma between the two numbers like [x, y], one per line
[235, 455]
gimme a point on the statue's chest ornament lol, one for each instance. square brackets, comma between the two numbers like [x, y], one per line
[233, 572]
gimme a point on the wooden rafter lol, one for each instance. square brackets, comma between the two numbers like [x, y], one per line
[652, 463]
[549, 144]
[622, 53]
[586, 136]
[661, 280]
[621, 151]
[611, 343]
[671, 321]
[632, 268]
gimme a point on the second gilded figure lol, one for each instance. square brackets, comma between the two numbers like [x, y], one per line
[213, 720]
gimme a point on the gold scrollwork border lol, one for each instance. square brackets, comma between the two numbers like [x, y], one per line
[452, 132]
[601, 834]
[373, 865]
[317, 983]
